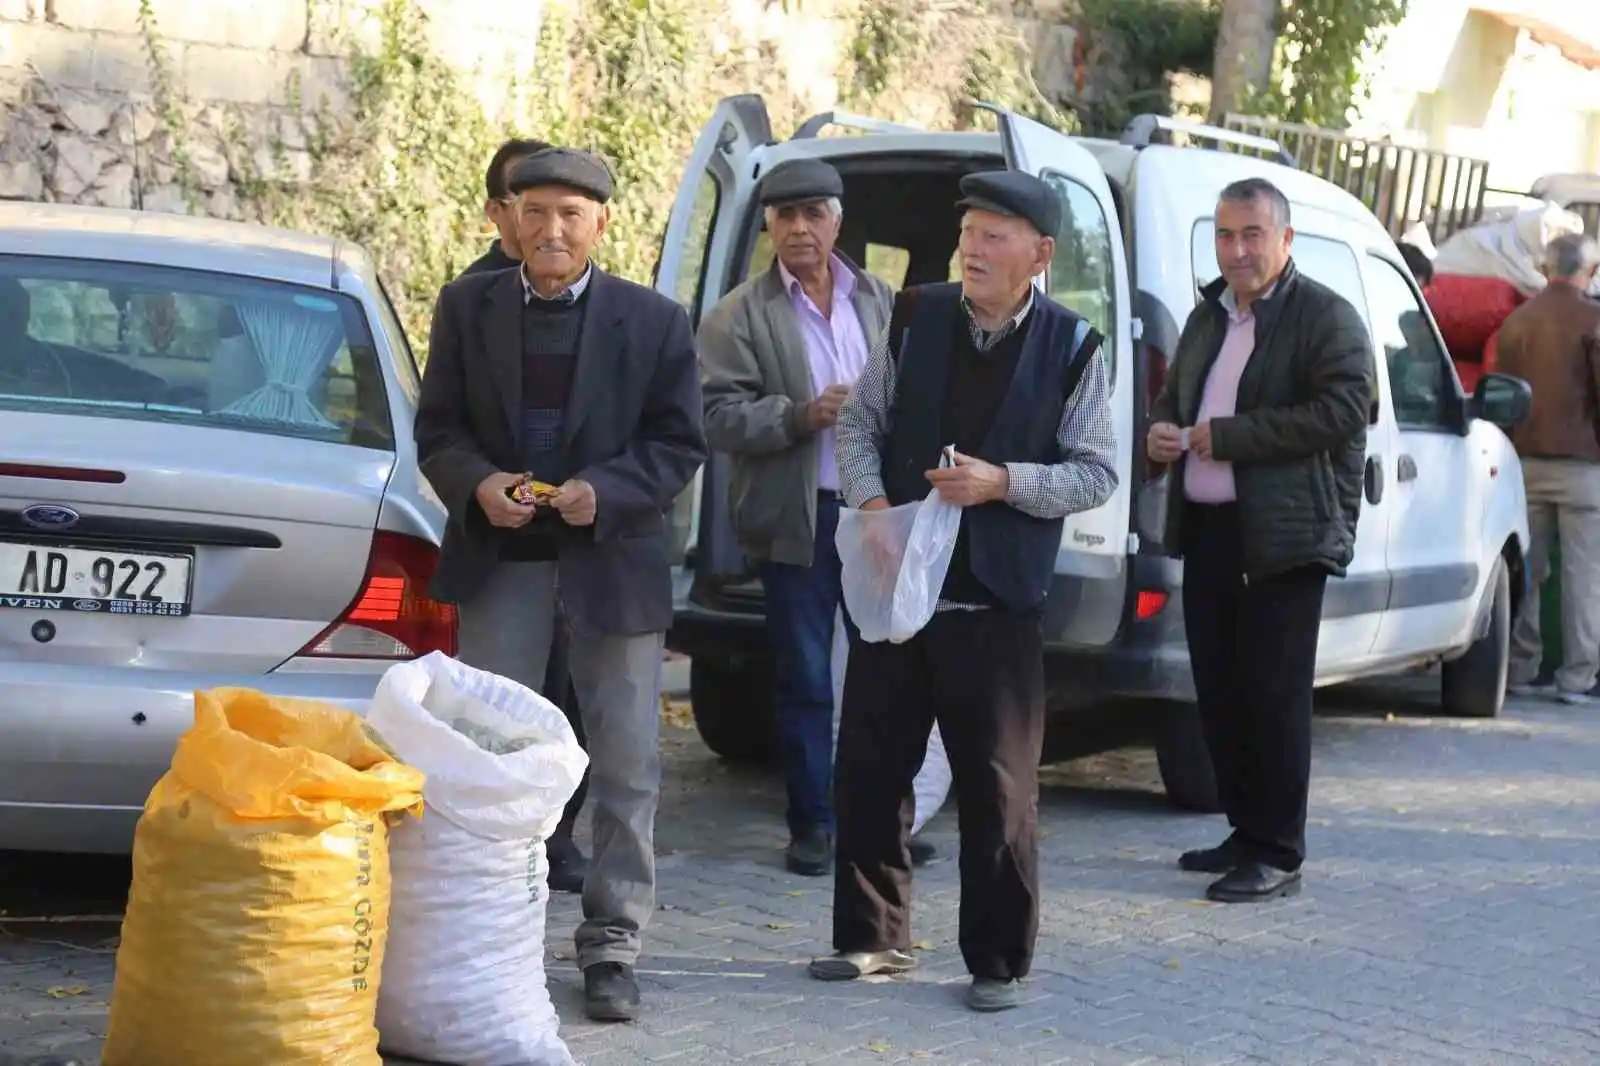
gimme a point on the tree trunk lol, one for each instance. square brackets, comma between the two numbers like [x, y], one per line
[1245, 41]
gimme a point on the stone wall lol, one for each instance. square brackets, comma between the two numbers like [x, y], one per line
[79, 87]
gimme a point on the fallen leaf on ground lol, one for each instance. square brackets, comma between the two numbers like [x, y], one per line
[780, 925]
[796, 893]
[922, 945]
[59, 992]
[1171, 964]
[677, 713]
[878, 1047]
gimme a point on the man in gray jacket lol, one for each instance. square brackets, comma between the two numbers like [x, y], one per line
[778, 356]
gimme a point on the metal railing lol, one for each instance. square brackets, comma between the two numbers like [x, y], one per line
[1400, 184]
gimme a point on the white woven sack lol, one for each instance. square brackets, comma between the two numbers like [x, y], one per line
[463, 977]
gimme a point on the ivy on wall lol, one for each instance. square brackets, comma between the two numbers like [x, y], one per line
[397, 167]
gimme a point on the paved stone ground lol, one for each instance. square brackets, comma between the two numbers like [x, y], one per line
[1452, 915]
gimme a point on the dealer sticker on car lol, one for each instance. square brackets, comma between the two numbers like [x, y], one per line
[61, 578]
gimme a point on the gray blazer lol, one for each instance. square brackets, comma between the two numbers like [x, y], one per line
[757, 381]
[633, 431]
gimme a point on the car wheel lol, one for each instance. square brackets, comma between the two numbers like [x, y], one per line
[1474, 686]
[733, 708]
[1184, 761]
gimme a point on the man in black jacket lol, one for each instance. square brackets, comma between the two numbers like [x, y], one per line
[505, 252]
[1017, 384]
[1264, 414]
[568, 866]
[590, 383]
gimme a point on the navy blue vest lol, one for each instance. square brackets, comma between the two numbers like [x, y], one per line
[1012, 554]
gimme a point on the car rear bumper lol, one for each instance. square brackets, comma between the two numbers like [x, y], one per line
[80, 747]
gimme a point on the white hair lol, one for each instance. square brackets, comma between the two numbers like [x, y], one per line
[835, 208]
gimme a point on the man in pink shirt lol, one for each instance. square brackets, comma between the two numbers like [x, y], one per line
[779, 355]
[1264, 412]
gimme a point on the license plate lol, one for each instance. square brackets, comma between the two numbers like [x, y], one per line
[51, 577]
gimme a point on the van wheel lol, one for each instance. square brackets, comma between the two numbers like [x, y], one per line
[1184, 761]
[733, 708]
[1474, 686]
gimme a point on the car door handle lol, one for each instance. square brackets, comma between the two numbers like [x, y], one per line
[1406, 469]
[1374, 480]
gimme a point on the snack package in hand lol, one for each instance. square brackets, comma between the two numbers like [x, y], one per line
[529, 491]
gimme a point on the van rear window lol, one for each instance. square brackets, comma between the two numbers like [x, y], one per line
[154, 344]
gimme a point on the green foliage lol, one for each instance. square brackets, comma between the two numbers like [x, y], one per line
[1146, 41]
[397, 165]
[1320, 48]
[165, 96]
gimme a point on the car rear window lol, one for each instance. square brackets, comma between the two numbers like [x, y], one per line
[155, 344]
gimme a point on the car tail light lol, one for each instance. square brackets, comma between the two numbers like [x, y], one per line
[1147, 605]
[392, 617]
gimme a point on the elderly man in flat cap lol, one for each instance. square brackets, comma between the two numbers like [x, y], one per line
[589, 383]
[1017, 383]
[778, 357]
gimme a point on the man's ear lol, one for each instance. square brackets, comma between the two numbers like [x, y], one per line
[1046, 252]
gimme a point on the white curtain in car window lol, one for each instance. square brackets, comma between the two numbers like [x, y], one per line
[295, 346]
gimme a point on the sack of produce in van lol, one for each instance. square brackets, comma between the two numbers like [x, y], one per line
[256, 923]
[465, 980]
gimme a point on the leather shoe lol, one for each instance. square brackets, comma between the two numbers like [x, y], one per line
[988, 995]
[610, 993]
[810, 853]
[1218, 860]
[568, 866]
[922, 852]
[1254, 882]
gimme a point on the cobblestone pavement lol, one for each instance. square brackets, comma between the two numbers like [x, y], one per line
[1452, 915]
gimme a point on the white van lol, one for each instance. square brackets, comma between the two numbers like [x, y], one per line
[1438, 569]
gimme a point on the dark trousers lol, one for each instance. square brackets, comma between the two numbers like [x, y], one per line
[558, 689]
[1253, 652]
[800, 603]
[980, 675]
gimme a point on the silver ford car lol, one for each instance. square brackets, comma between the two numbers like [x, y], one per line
[207, 478]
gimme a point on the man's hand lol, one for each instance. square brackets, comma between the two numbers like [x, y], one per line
[1200, 440]
[823, 412]
[499, 508]
[971, 481]
[575, 503]
[1164, 444]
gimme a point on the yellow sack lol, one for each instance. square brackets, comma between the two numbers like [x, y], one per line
[256, 923]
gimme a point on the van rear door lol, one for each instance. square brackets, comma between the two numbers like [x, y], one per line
[1089, 275]
[700, 239]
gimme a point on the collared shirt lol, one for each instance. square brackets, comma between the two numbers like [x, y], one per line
[1211, 480]
[1083, 479]
[568, 295]
[835, 345]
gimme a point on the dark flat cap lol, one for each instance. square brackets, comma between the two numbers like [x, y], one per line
[571, 167]
[1011, 192]
[799, 181]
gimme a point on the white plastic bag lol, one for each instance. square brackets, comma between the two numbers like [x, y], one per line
[1511, 248]
[894, 563]
[463, 980]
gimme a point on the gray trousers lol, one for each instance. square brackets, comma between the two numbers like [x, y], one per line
[507, 629]
[1563, 498]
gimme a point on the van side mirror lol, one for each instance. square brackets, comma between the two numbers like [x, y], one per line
[1502, 399]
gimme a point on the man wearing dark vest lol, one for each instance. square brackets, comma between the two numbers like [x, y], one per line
[590, 383]
[1017, 384]
[568, 867]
